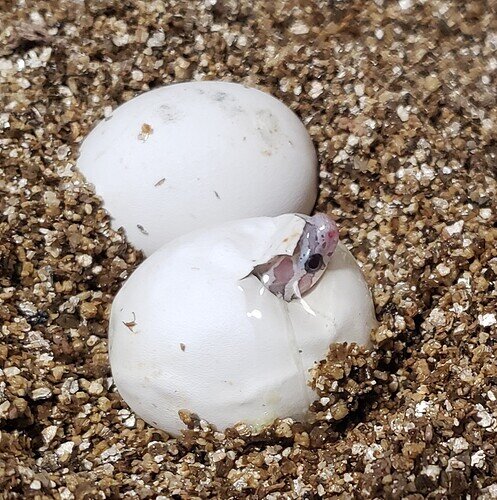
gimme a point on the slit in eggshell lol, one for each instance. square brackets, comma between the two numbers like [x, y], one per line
[287, 232]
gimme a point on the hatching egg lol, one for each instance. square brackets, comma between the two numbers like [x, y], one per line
[193, 329]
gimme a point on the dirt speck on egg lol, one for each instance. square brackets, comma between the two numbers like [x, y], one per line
[145, 132]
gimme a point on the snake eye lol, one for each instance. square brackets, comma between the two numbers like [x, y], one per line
[314, 262]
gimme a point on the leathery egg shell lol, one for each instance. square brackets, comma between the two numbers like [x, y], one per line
[189, 155]
[193, 330]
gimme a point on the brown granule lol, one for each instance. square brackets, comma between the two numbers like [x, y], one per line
[400, 99]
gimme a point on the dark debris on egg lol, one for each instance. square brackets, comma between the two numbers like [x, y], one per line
[399, 98]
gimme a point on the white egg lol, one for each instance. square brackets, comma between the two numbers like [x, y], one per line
[193, 330]
[194, 154]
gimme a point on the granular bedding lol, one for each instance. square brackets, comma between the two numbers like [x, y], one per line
[399, 98]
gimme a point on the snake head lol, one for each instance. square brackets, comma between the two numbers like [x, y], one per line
[290, 276]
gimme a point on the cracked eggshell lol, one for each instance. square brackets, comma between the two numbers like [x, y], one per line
[193, 330]
[190, 155]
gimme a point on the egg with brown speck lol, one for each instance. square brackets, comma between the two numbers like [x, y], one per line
[189, 155]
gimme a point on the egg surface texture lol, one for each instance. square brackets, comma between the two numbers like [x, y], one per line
[189, 155]
[192, 328]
